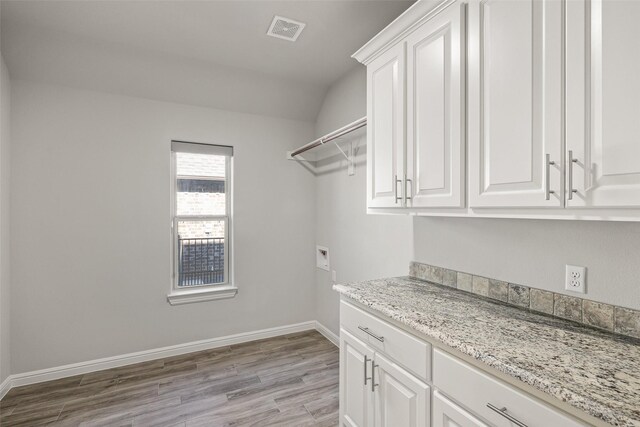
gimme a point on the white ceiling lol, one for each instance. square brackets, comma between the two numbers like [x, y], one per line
[212, 53]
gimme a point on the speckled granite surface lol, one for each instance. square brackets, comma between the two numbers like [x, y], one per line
[596, 372]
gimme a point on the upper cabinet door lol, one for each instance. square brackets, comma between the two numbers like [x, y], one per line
[515, 103]
[435, 111]
[385, 133]
[603, 103]
[401, 400]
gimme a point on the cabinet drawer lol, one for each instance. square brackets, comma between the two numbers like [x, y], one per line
[476, 390]
[410, 352]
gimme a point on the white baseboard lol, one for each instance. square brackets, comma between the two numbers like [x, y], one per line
[49, 374]
[5, 387]
[328, 334]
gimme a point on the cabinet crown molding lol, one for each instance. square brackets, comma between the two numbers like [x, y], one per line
[404, 24]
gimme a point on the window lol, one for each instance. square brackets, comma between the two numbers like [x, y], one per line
[201, 222]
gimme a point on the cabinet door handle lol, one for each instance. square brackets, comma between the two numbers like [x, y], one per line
[395, 188]
[503, 411]
[570, 175]
[373, 376]
[368, 332]
[366, 378]
[406, 192]
[547, 176]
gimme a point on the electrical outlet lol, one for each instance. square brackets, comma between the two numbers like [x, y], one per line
[575, 279]
[333, 276]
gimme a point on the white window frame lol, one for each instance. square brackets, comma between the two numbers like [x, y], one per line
[227, 289]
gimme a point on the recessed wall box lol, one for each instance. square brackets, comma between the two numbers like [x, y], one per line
[322, 257]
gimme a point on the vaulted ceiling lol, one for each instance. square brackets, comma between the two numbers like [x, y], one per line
[209, 53]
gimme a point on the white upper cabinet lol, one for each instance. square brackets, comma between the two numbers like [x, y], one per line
[515, 103]
[506, 108]
[435, 112]
[603, 103]
[386, 133]
[415, 112]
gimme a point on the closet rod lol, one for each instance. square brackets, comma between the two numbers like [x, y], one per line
[331, 136]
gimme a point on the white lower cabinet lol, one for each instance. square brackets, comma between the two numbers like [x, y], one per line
[490, 398]
[448, 414]
[400, 398]
[356, 401]
[381, 386]
[375, 391]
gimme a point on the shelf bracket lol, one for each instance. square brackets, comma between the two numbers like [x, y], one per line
[349, 157]
[340, 149]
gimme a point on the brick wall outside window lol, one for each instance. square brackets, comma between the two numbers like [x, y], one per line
[200, 191]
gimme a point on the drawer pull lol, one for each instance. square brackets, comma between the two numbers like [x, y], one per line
[366, 360]
[368, 332]
[503, 412]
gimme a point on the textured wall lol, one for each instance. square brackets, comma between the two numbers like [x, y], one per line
[534, 252]
[5, 274]
[91, 197]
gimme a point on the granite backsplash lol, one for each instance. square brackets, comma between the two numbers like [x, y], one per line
[620, 320]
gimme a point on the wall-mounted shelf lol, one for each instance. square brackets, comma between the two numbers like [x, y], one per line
[331, 137]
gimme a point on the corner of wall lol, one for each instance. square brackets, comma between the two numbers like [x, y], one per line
[361, 246]
[5, 276]
[343, 102]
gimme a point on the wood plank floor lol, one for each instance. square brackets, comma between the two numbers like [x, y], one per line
[290, 380]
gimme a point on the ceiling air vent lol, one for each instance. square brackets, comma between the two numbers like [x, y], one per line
[285, 28]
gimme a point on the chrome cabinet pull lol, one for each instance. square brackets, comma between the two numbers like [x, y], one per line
[406, 192]
[366, 360]
[373, 376]
[548, 190]
[570, 175]
[395, 188]
[368, 332]
[503, 411]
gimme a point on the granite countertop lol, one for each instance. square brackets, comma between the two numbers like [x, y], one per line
[596, 372]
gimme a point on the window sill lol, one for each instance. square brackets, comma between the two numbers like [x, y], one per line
[200, 295]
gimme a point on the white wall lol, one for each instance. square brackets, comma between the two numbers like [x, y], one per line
[90, 231]
[361, 246]
[5, 276]
[534, 252]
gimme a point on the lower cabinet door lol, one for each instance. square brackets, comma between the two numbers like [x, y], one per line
[356, 397]
[401, 400]
[448, 414]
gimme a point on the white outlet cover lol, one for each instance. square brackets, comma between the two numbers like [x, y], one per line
[575, 279]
